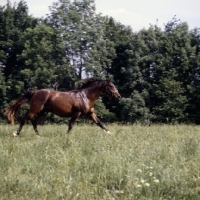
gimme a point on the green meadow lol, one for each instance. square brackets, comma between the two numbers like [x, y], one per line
[136, 162]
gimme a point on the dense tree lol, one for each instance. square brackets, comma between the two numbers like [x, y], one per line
[169, 91]
[156, 71]
[127, 74]
[159, 66]
[3, 97]
[87, 48]
[13, 22]
[40, 57]
[193, 108]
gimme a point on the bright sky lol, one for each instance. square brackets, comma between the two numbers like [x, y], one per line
[136, 13]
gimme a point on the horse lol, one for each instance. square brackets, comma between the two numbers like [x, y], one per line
[73, 104]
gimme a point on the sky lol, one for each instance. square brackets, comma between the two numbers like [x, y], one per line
[135, 13]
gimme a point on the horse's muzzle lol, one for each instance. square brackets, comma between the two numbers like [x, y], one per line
[117, 97]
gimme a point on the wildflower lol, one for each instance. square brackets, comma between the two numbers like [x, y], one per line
[138, 186]
[147, 184]
[156, 181]
[150, 174]
[142, 180]
[150, 167]
[139, 171]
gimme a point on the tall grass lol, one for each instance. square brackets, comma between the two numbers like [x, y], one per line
[136, 162]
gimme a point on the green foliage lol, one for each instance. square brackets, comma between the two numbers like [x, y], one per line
[134, 109]
[103, 113]
[37, 57]
[13, 23]
[171, 101]
[2, 93]
[155, 70]
[87, 48]
[159, 64]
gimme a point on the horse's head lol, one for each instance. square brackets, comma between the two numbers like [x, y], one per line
[110, 89]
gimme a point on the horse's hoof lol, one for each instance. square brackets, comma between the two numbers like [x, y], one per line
[109, 132]
[15, 134]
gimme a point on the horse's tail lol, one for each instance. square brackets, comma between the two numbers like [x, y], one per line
[11, 110]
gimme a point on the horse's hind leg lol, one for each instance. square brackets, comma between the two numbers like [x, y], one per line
[72, 120]
[38, 119]
[28, 116]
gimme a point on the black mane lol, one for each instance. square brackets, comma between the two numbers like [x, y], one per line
[87, 82]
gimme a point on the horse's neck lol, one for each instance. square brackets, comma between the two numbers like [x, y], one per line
[93, 93]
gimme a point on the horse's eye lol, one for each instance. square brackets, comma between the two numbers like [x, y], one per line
[111, 88]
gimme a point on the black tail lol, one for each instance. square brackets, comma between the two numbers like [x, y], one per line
[10, 111]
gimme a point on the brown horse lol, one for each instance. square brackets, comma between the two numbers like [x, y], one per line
[75, 103]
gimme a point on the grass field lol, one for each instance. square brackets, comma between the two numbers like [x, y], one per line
[135, 162]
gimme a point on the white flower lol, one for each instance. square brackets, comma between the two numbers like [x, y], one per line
[147, 184]
[150, 174]
[139, 171]
[142, 180]
[150, 167]
[156, 181]
[138, 186]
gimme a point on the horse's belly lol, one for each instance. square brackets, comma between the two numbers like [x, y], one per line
[62, 111]
[60, 108]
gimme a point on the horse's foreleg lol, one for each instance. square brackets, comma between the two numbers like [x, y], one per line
[72, 120]
[38, 119]
[98, 122]
[29, 116]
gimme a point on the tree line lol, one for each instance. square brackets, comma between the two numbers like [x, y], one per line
[156, 70]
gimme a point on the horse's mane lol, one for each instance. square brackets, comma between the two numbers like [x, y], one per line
[87, 82]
